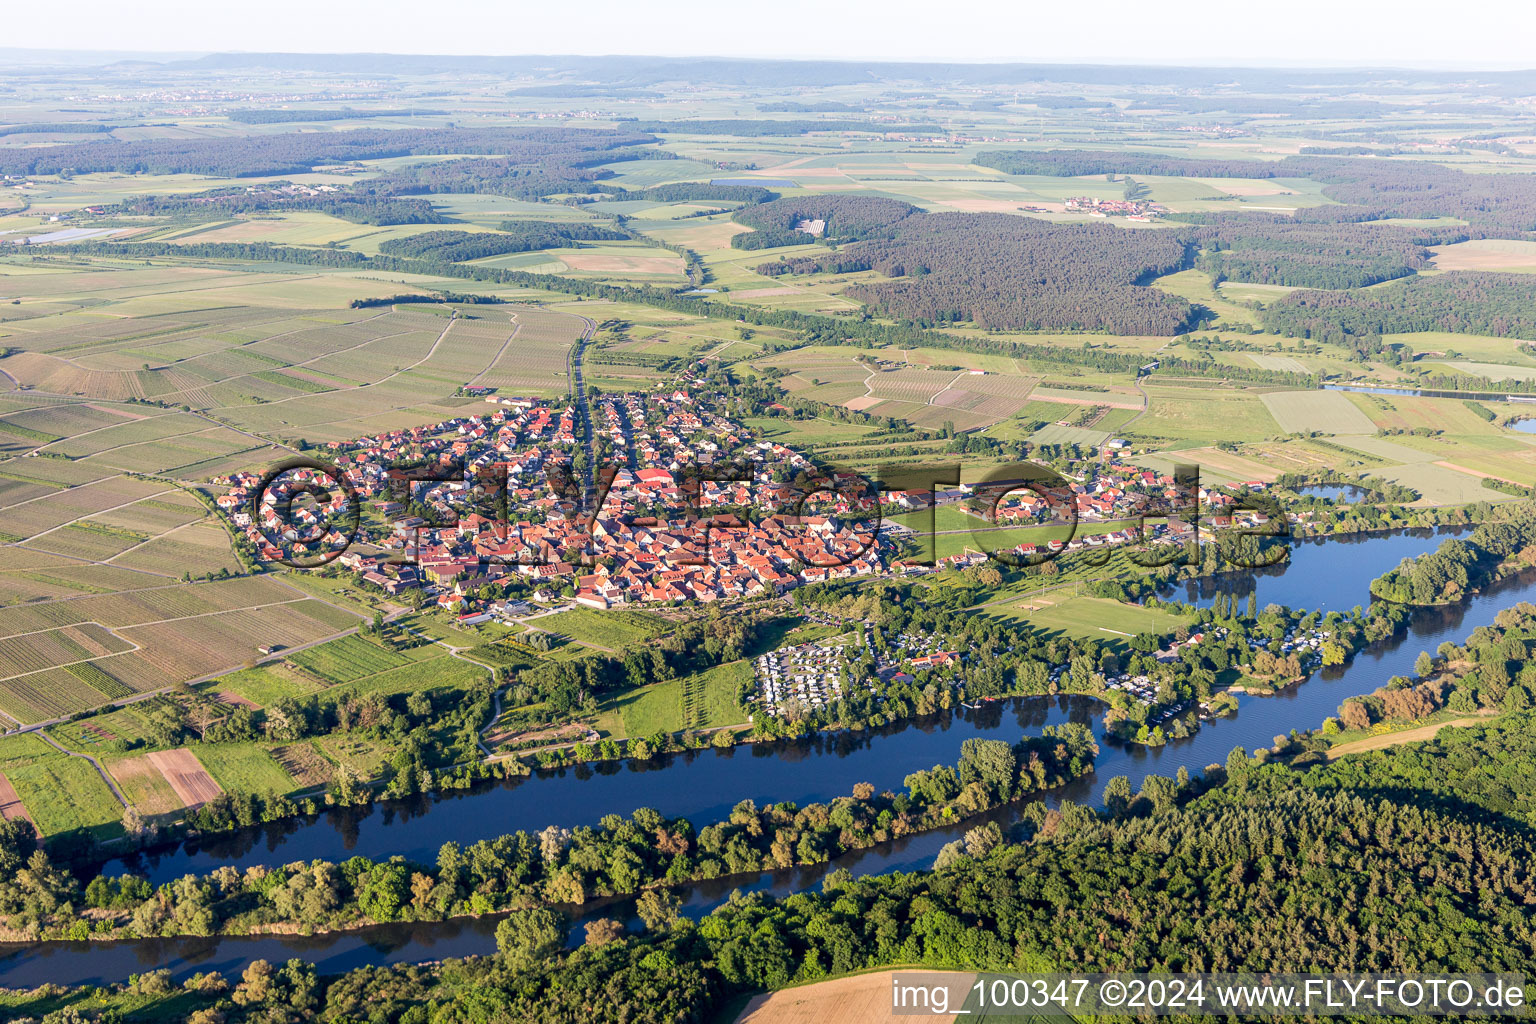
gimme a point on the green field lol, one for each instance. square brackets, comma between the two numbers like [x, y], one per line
[266, 684]
[1330, 412]
[437, 673]
[353, 657]
[243, 768]
[61, 793]
[643, 712]
[709, 698]
[613, 630]
[1088, 617]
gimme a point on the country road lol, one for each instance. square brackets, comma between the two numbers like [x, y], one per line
[584, 414]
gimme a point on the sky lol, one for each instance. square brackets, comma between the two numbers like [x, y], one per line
[1418, 33]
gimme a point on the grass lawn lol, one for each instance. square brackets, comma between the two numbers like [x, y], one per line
[709, 698]
[22, 748]
[1208, 415]
[1330, 412]
[614, 630]
[266, 684]
[643, 712]
[362, 756]
[353, 657]
[243, 768]
[1195, 286]
[338, 591]
[1089, 617]
[434, 674]
[64, 793]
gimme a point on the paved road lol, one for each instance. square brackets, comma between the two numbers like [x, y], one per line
[584, 414]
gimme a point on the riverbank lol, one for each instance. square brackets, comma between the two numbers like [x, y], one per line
[705, 785]
[1393, 739]
[554, 866]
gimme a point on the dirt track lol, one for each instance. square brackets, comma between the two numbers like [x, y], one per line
[1392, 739]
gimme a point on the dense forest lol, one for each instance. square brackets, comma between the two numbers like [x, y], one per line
[514, 236]
[1275, 250]
[346, 205]
[530, 176]
[844, 218]
[299, 152]
[1073, 163]
[1014, 273]
[56, 128]
[1463, 302]
[698, 191]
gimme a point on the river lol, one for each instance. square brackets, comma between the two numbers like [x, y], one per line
[705, 784]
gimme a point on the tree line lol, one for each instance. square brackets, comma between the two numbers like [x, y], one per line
[300, 152]
[1500, 205]
[764, 128]
[284, 115]
[513, 236]
[358, 208]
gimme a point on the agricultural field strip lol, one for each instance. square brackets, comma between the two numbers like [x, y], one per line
[38, 725]
[300, 596]
[151, 540]
[163, 441]
[381, 380]
[114, 508]
[253, 373]
[294, 366]
[108, 426]
[155, 622]
[78, 661]
[55, 492]
[517, 327]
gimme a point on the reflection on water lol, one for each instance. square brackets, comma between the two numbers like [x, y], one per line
[705, 784]
[1342, 493]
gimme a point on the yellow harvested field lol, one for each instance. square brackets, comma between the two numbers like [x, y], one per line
[1487, 254]
[1092, 399]
[1230, 464]
[860, 999]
